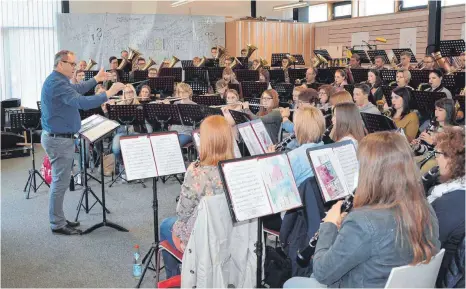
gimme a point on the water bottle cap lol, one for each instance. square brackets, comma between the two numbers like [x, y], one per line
[136, 246]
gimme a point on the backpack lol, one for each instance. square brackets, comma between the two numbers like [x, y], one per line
[46, 170]
[277, 268]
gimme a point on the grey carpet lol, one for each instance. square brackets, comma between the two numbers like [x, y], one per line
[33, 257]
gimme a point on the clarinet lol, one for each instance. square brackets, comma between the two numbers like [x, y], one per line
[326, 136]
[281, 146]
[430, 178]
[304, 256]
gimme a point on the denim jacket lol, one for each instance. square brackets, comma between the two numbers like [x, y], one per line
[365, 249]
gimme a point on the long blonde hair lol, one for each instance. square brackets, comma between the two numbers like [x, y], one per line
[216, 140]
[129, 100]
[309, 125]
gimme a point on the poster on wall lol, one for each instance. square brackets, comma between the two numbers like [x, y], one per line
[408, 38]
[357, 40]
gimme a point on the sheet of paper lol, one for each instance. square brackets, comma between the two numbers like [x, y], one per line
[94, 133]
[138, 158]
[250, 139]
[246, 189]
[262, 134]
[329, 174]
[349, 163]
[167, 154]
[408, 38]
[279, 182]
[236, 149]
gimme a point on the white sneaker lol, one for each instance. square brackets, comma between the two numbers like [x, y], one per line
[78, 179]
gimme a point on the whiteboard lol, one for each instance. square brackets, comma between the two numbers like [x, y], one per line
[99, 36]
[408, 38]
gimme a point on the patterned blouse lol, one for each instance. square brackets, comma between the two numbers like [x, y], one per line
[199, 181]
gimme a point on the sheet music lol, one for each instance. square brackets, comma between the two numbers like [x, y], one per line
[329, 174]
[236, 150]
[250, 139]
[247, 191]
[279, 182]
[94, 133]
[262, 134]
[167, 154]
[349, 163]
[138, 158]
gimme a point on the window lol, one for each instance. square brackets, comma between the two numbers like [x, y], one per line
[318, 13]
[342, 10]
[452, 2]
[368, 8]
[413, 4]
[28, 42]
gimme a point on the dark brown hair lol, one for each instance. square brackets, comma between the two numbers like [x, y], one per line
[274, 95]
[348, 122]
[390, 179]
[451, 143]
[308, 95]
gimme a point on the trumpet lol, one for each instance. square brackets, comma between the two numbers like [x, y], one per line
[90, 64]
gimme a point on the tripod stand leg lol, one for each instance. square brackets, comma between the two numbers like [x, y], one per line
[79, 206]
[27, 183]
[151, 255]
[100, 202]
[115, 226]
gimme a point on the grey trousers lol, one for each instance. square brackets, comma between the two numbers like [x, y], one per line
[60, 152]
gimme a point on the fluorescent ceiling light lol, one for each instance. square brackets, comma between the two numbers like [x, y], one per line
[291, 5]
[180, 2]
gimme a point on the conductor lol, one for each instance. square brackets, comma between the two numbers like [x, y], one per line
[60, 101]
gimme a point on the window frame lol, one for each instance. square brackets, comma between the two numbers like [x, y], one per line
[342, 3]
[309, 12]
[402, 8]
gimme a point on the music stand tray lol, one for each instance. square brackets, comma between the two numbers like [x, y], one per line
[198, 88]
[163, 114]
[323, 52]
[284, 90]
[239, 117]
[449, 48]
[425, 101]
[175, 72]
[162, 84]
[191, 114]
[186, 63]
[362, 54]
[359, 75]
[88, 74]
[397, 52]
[299, 59]
[140, 75]
[376, 122]
[388, 75]
[247, 75]
[387, 92]
[208, 100]
[252, 89]
[197, 74]
[373, 53]
[277, 59]
[277, 75]
[215, 73]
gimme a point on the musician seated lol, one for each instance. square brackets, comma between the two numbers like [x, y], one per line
[448, 201]
[197, 61]
[233, 103]
[340, 97]
[113, 63]
[429, 63]
[152, 72]
[390, 225]
[347, 123]
[375, 82]
[379, 63]
[268, 113]
[183, 91]
[228, 76]
[214, 52]
[310, 80]
[341, 79]
[401, 113]
[325, 92]
[355, 61]
[285, 66]
[82, 65]
[202, 178]
[141, 62]
[124, 54]
[302, 97]
[227, 62]
[435, 81]
[361, 98]
[264, 75]
[244, 52]
[405, 60]
[403, 77]
[79, 77]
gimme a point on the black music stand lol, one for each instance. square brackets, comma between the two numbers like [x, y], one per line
[418, 77]
[163, 85]
[244, 61]
[195, 74]
[215, 73]
[186, 63]
[362, 54]
[235, 86]
[460, 78]
[29, 122]
[359, 75]
[254, 104]
[449, 81]
[247, 75]
[373, 53]
[175, 72]
[252, 89]
[397, 52]
[299, 59]
[388, 75]
[191, 114]
[277, 59]
[296, 73]
[140, 75]
[323, 52]
[239, 117]
[198, 88]
[327, 75]
[284, 90]
[207, 111]
[349, 88]
[450, 48]
[39, 105]
[164, 114]
[126, 115]
[88, 74]
[387, 92]
[124, 76]
[208, 100]
[277, 76]
[377, 122]
[424, 101]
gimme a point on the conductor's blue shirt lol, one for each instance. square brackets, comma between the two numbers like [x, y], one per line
[61, 101]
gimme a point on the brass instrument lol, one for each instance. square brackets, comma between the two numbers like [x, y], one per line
[148, 64]
[394, 64]
[203, 60]
[392, 83]
[291, 60]
[123, 63]
[422, 85]
[442, 62]
[251, 49]
[262, 63]
[175, 60]
[220, 51]
[132, 56]
[420, 65]
[235, 63]
[319, 61]
[90, 64]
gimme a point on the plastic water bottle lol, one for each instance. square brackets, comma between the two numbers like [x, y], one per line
[137, 266]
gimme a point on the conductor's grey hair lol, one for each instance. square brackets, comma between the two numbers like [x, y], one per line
[60, 56]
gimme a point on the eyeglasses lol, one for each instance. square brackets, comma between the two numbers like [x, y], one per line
[73, 64]
[437, 153]
[267, 98]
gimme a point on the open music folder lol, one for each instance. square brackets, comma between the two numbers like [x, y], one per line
[336, 169]
[152, 155]
[197, 141]
[96, 126]
[259, 186]
[255, 136]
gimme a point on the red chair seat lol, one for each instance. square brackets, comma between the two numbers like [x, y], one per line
[173, 282]
[165, 245]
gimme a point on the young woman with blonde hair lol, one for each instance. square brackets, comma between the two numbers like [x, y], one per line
[183, 91]
[201, 179]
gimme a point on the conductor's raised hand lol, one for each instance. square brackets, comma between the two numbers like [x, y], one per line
[102, 75]
[115, 88]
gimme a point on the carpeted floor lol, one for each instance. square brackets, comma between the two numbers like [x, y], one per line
[33, 257]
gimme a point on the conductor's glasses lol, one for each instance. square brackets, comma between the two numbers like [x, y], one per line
[73, 64]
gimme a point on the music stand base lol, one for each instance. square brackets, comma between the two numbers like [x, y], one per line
[31, 182]
[120, 177]
[105, 224]
[148, 257]
[86, 207]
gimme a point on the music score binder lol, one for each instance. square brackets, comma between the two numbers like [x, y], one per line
[336, 169]
[197, 141]
[96, 126]
[152, 155]
[255, 136]
[259, 186]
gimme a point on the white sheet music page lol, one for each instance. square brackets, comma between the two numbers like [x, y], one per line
[279, 182]
[138, 158]
[250, 139]
[262, 134]
[349, 163]
[246, 188]
[167, 154]
[329, 173]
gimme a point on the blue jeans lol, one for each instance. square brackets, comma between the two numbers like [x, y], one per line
[185, 139]
[60, 152]
[172, 266]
